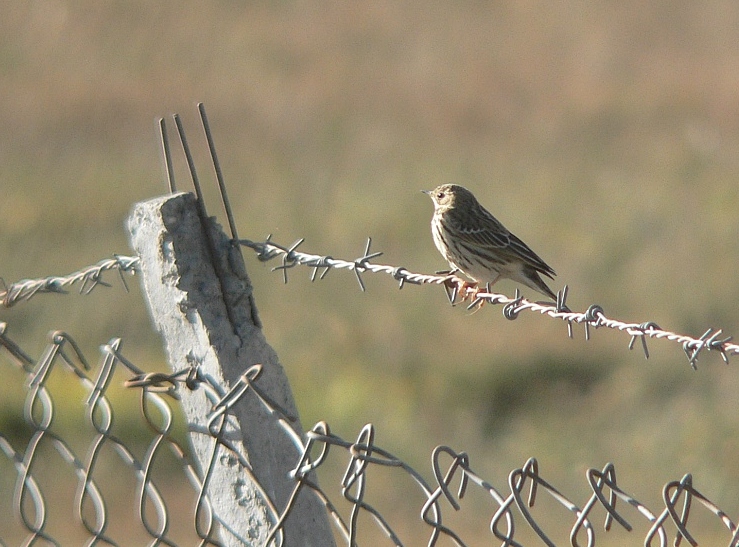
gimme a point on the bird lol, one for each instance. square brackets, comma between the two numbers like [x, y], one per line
[474, 242]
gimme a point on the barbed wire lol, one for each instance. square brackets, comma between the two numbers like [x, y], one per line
[88, 278]
[457, 287]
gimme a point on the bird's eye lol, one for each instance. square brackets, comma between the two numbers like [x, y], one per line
[440, 195]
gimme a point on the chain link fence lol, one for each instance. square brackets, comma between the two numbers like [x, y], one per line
[61, 472]
[33, 495]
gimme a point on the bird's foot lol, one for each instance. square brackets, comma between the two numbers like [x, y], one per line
[472, 292]
[456, 287]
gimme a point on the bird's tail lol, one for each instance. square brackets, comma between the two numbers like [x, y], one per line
[533, 280]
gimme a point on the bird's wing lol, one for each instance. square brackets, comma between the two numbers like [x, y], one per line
[486, 231]
[523, 251]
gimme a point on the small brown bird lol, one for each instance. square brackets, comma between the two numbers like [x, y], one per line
[474, 242]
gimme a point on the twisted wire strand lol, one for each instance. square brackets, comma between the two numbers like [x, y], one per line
[364, 456]
[456, 287]
[34, 498]
[87, 278]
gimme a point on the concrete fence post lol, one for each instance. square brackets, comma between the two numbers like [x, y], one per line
[201, 302]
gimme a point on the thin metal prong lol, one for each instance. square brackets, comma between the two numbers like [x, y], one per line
[191, 167]
[219, 173]
[166, 156]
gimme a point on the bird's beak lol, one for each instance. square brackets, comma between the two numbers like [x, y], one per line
[427, 192]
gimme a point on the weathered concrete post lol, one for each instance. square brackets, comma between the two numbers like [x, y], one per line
[201, 302]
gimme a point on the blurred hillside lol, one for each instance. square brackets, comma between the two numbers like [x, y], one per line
[606, 135]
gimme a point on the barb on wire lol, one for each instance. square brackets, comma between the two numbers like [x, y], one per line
[87, 279]
[456, 287]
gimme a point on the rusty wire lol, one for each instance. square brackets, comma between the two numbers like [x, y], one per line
[508, 507]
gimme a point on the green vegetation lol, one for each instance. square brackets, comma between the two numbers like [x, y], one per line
[606, 135]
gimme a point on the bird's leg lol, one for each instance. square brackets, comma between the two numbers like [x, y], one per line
[478, 302]
[458, 287]
[468, 289]
[478, 289]
[455, 285]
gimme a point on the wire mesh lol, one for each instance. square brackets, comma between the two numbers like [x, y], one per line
[510, 509]
[38, 497]
[42, 446]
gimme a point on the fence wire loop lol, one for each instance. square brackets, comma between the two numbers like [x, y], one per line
[512, 309]
[432, 504]
[458, 460]
[58, 340]
[33, 497]
[306, 464]
[598, 480]
[232, 396]
[530, 471]
[313, 451]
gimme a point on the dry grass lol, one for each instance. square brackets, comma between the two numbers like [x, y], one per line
[606, 135]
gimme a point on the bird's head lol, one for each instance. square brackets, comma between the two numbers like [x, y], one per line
[449, 196]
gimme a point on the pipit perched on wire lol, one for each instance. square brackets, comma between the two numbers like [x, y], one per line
[474, 242]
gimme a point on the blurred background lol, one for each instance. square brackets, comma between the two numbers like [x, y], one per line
[604, 134]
